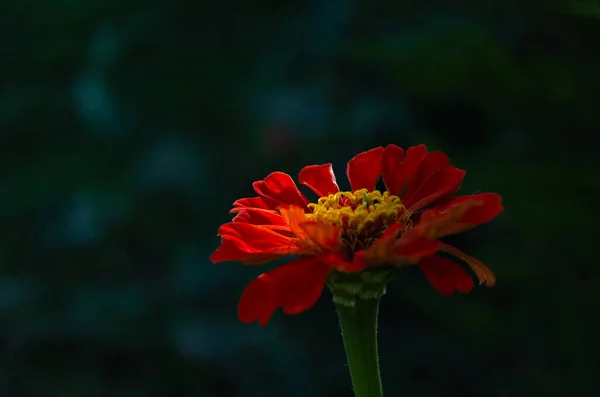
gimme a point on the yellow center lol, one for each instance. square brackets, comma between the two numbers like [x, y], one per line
[363, 216]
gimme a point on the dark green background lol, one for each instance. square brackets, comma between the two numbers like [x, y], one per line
[128, 127]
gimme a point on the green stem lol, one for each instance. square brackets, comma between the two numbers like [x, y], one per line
[359, 331]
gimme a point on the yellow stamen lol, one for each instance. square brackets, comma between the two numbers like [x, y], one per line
[362, 215]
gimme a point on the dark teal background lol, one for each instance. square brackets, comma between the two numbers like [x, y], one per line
[129, 127]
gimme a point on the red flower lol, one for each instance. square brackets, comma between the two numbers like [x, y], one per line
[353, 231]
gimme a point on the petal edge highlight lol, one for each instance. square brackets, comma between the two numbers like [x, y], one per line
[294, 287]
[252, 244]
[320, 179]
[391, 161]
[281, 187]
[364, 169]
[445, 275]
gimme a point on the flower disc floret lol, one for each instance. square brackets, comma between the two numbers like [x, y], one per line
[362, 215]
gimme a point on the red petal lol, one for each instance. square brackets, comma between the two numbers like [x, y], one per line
[301, 292]
[489, 206]
[339, 261]
[445, 275]
[441, 183]
[294, 216]
[359, 261]
[399, 175]
[254, 202]
[295, 287]
[230, 250]
[464, 213]
[431, 162]
[251, 244]
[484, 273]
[254, 235]
[315, 235]
[391, 160]
[257, 303]
[281, 187]
[257, 216]
[410, 250]
[364, 169]
[381, 249]
[320, 178]
[324, 235]
[433, 224]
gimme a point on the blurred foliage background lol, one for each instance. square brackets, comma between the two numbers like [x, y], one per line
[128, 127]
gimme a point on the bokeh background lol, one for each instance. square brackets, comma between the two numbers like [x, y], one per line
[128, 127]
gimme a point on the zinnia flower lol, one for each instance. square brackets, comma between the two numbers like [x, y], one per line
[355, 230]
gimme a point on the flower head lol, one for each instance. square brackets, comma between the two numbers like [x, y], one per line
[354, 231]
